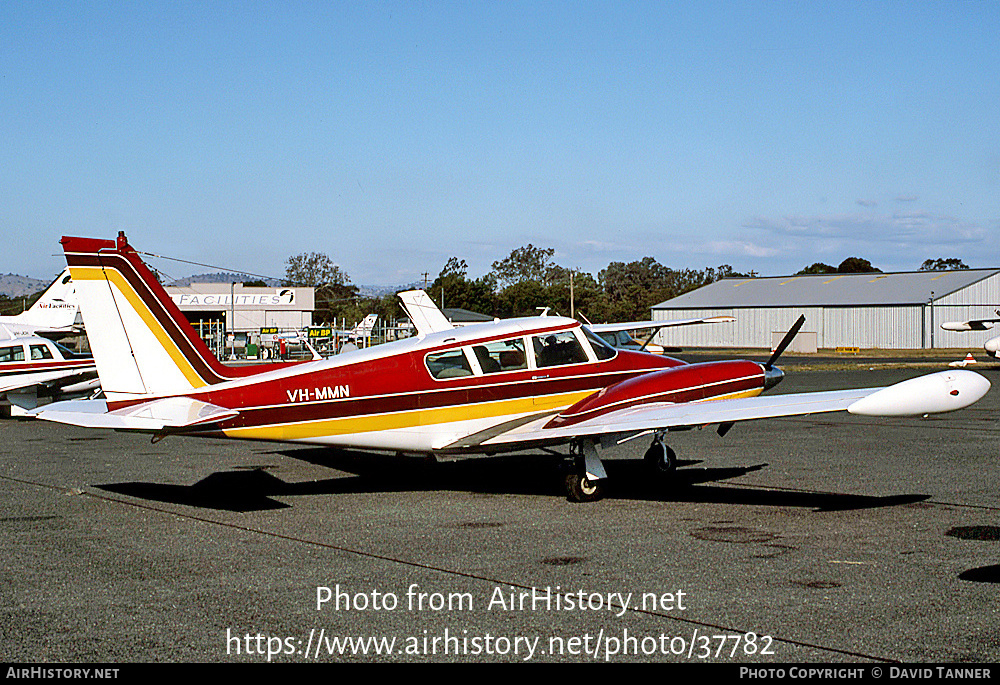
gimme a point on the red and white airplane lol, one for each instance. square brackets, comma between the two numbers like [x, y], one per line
[483, 389]
[54, 314]
[34, 369]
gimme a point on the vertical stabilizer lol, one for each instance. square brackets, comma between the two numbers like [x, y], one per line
[424, 314]
[142, 344]
[57, 307]
[54, 313]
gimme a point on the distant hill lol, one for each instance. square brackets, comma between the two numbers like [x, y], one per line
[13, 285]
[219, 277]
[382, 290]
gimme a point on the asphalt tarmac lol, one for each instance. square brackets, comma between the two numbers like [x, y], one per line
[830, 538]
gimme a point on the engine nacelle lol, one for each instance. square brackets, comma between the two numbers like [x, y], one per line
[688, 383]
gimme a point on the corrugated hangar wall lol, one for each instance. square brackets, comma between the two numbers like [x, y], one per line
[885, 326]
[866, 327]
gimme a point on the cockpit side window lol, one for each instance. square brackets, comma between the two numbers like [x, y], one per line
[557, 349]
[41, 352]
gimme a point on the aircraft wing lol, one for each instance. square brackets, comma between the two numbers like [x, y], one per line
[933, 393]
[156, 415]
[54, 378]
[637, 325]
[970, 325]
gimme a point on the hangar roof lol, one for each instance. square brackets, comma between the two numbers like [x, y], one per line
[817, 290]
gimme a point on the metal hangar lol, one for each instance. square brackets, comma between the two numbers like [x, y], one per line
[868, 311]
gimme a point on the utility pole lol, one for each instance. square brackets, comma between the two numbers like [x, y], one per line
[572, 310]
[232, 319]
[931, 304]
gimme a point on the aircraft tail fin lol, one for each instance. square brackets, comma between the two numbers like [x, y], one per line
[143, 345]
[57, 307]
[365, 328]
[55, 312]
[426, 316]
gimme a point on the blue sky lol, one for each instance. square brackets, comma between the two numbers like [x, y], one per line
[392, 136]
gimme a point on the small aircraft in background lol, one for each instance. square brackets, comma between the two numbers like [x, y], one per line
[35, 369]
[617, 334]
[356, 337]
[484, 389]
[55, 314]
[992, 346]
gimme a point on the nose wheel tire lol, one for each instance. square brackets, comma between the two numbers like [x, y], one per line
[661, 460]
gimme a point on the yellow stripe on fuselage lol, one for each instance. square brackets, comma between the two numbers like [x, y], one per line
[406, 419]
[92, 273]
[320, 428]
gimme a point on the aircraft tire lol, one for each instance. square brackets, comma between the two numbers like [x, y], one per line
[661, 460]
[579, 488]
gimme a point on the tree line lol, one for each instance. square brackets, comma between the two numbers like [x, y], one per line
[528, 279]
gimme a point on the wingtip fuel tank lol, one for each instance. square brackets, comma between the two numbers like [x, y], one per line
[934, 393]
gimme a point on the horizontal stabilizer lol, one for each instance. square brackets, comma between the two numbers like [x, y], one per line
[171, 412]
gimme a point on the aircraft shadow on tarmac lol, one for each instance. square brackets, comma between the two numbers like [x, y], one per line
[254, 489]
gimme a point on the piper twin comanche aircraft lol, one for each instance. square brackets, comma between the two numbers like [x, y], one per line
[34, 369]
[484, 389]
[53, 315]
[992, 346]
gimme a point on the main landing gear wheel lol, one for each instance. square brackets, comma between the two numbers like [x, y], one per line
[661, 460]
[579, 488]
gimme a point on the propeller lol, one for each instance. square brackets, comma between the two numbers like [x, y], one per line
[772, 374]
[792, 332]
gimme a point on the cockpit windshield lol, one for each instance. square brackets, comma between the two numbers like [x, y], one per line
[601, 348]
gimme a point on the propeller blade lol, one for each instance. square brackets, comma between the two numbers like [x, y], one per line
[789, 336]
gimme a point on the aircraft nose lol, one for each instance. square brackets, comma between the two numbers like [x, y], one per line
[772, 376]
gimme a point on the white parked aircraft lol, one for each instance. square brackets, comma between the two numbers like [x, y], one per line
[34, 369]
[55, 314]
[992, 346]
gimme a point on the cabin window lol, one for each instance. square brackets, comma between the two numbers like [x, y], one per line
[448, 364]
[501, 355]
[12, 354]
[41, 352]
[556, 349]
